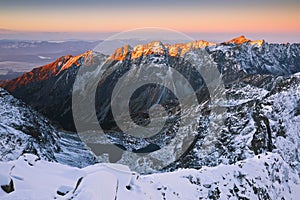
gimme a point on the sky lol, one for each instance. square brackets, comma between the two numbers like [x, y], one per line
[210, 17]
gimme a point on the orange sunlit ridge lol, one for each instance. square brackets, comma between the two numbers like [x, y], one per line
[155, 47]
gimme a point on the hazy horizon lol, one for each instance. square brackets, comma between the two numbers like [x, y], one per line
[98, 36]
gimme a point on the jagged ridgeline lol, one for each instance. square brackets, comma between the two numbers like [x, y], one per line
[259, 79]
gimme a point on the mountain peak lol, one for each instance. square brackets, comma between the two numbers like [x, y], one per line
[50, 70]
[238, 40]
[76, 60]
[181, 49]
[242, 39]
[154, 47]
[257, 42]
[120, 53]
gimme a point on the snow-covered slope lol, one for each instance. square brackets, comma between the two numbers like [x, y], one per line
[259, 118]
[265, 176]
[23, 130]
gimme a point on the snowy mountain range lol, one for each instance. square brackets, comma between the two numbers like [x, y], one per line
[255, 149]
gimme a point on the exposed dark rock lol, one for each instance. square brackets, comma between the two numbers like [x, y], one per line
[9, 187]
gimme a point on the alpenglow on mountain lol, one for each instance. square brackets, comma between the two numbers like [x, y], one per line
[260, 122]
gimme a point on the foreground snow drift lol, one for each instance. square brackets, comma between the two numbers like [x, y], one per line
[262, 177]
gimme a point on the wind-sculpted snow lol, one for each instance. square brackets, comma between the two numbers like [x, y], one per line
[265, 176]
[23, 130]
